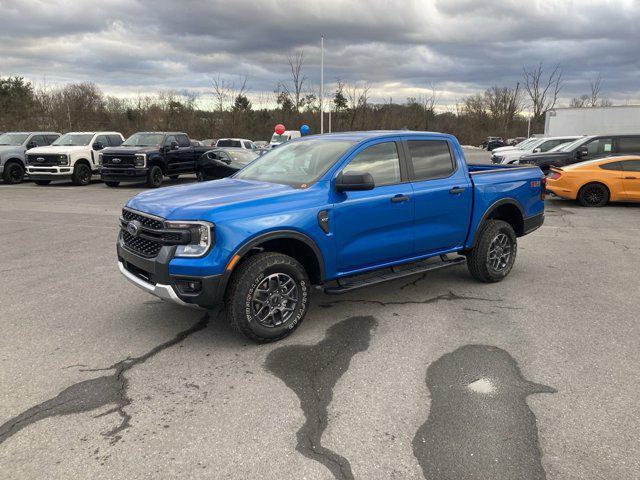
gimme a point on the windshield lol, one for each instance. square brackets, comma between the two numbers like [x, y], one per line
[243, 156]
[144, 140]
[525, 143]
[566, 147]
[74, 139]
[13, 138]
[279, 138]
[228, 143]
[296, 163]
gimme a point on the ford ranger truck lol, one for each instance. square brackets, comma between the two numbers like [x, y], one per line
[13, 151]
[73, 156]
[148, 157]
[339, 211]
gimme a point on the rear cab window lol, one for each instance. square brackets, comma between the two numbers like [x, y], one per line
[629, 145]
[431, 159]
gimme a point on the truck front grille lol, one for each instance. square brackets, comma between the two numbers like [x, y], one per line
[120, 160]
[141, 246]
[43, 160]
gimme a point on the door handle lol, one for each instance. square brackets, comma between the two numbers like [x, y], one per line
[456, 190]
[400, 198]
[630, 178]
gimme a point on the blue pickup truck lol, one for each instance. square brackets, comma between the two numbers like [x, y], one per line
[339, 211]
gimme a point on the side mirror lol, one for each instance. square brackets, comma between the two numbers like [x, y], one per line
[354, 182]
[582, 152]
[31, 144]
[98, 146]
[174, 145]
[537, 150]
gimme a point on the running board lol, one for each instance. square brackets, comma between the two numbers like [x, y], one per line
[393, 273]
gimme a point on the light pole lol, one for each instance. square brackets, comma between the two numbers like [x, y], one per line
[321, 84]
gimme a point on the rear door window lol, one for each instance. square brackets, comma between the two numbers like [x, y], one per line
[103, 140]
[431, 159]
[247, 145]
[50, 139]
[39, 140]
[629, 145]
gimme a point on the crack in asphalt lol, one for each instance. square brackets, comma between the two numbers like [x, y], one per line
[479, 424]
[448, 297]
[312, 372]
[94, 393]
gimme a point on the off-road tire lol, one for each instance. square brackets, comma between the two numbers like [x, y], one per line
[13, 173]
[242, 285]
[593, 195]
[42, 182]
[81, 174]
[478, 261]
[154, 177]
[112, 184]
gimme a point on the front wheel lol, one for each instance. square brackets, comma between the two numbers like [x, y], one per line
[13, 173]
[155, 177]
[267, 297]
[495, 252]
[81, 174]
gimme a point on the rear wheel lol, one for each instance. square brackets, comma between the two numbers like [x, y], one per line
[154, 177]
[593, 195]
[81, 174]
[13, 173]
[267, 297]
[42, 182]
[112, 184]
[495, 252]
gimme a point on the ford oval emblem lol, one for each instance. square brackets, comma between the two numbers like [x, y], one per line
[116, 160]
[133, 228]
[40, 159]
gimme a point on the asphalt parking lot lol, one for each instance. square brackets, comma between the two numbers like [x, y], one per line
[437, 376]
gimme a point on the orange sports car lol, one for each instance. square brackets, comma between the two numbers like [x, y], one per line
[596, 182]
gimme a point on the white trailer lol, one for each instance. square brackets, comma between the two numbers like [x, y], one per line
[592, 121]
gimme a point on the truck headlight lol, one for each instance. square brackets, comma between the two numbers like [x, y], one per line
[201, 238]
[140, 160]
[99, 159]
[63, 159]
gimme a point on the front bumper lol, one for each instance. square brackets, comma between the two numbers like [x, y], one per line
[110, 174]
[152, 275]
[49, 173]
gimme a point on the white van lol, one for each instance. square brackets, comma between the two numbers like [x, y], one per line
[284, 138]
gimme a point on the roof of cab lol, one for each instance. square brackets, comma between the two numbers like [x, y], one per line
[372, 134]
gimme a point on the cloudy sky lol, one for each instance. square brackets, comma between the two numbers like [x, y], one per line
[401, 48]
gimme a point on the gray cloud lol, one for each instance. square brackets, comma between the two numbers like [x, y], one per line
[399, 47]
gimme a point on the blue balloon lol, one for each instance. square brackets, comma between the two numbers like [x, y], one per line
[304, 129]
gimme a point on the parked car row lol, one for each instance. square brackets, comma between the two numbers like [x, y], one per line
[146, 157]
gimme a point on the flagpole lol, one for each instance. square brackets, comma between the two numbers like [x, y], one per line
[321, 84]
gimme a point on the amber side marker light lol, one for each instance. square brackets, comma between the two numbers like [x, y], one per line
[232, 262]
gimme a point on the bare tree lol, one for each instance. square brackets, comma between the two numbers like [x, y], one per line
[358, 99]
[594, 98]
[543, 90]
[503, 104]
[294, 90]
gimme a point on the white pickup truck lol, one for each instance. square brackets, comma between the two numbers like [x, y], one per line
[73, 156]
[542, 144]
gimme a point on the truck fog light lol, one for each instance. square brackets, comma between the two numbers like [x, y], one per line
[188, 285]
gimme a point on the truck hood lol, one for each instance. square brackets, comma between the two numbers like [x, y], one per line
[129, 150]
[546, 155]
[198, 201]
[56, 149]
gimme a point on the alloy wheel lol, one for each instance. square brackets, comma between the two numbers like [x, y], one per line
[274, 300]
[500, 251]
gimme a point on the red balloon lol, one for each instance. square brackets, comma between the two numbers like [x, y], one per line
[280, 129]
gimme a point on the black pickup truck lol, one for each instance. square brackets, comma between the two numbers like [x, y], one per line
[149, 157]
